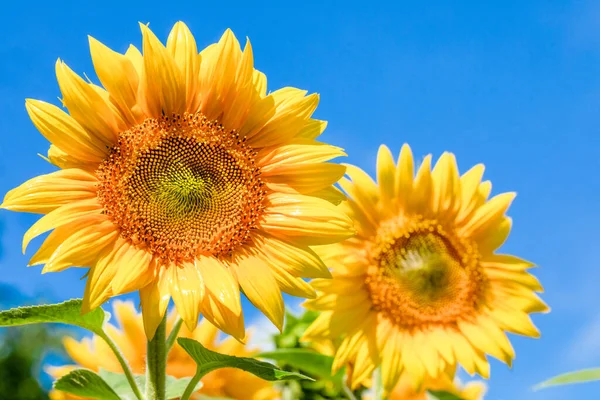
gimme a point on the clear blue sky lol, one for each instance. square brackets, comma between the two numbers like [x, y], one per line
[515, 85]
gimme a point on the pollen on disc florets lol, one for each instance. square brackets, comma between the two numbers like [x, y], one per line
[421, 275]
[182, 186]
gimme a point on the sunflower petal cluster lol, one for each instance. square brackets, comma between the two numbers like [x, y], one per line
[181, 177]
[421, 288]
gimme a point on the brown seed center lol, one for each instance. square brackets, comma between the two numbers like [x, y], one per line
[182, 186]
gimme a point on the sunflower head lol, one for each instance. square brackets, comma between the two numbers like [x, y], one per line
[421, 288]
[182, 178]
[94, 354]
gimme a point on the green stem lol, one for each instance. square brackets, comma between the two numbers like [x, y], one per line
[191, 387]
[124, 365]
[378, 384]
[156, 364]
[348, 392]
[174, 332]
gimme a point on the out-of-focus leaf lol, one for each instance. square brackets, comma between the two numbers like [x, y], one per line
[581, 376]
[442, 395]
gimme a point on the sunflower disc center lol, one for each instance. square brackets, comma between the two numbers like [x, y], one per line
[423, 276]
[181, 187]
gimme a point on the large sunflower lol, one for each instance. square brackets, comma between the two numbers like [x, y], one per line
[182, 178]
[94, 354]
[420, 288]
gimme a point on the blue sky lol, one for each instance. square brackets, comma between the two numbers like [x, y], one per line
[515, 85]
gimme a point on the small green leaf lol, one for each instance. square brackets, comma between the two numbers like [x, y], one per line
[86, 383]
[208, 361]
[581, 376]
[68, 312]
[442, 395]
[306, 360]
[118, 382]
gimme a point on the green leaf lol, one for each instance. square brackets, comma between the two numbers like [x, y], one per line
[581, 376]
[310, 361]
[208, 361]
[68, 312]
[86, 383]
[118, 382]
[442, 395]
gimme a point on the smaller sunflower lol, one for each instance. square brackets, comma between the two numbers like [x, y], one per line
[93, 353]
[421, 289]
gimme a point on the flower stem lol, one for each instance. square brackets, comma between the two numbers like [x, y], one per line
[174, 332]
[189, 390]
[124, 365]
[156, 364]
[378, 385]
[348, 392]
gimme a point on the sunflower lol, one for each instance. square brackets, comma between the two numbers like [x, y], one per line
[405, 389]
[420, 288]
[183, 179]
[93, 353]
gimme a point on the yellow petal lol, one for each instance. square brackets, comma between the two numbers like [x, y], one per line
[469, 186]
[82, 247]
[290, 284]
[490, 240]
[220, 282]
[242, 94]
[182, 47]
[279, 117]
[305, 219]
[261, 288]
[271, 159]
[217, 73]
[312, 129]
[88, 107]
[498, 337]
[488, 214]
[295, 259]
[446, 187]
[366, 359]
[364, 195]
[404, 175]
[62, 159]
[187, 290]
[154, 299]
[135, 269]
[422, 194]
[61, 216]
[162, 85]
[100, 276]
[46, 193]
[480, 339]
[386, 170]
[59, 235]
[118, 75]
[219, 315]
[260, 82]
[65, 132]
[306, 178]
[221, 303]
[391, 361]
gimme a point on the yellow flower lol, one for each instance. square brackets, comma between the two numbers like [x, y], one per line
[420, 288]
[183, 179]
[405, 389]
[93, 353]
